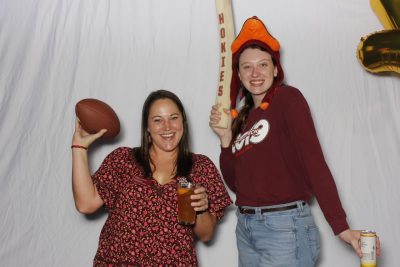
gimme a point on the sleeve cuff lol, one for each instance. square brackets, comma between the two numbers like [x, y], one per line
[339, 226]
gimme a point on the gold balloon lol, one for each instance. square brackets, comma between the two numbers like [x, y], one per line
[388, 12]
[380, 51]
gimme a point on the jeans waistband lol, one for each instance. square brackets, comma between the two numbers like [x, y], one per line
[274, 208]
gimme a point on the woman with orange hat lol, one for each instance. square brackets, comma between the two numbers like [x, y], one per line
[272, 160]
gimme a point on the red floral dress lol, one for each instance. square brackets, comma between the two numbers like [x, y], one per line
[142, 228]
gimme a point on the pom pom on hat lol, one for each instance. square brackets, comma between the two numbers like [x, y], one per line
[264, 105]
[234, 113]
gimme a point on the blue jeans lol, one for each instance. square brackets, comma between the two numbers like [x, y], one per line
[287, 238]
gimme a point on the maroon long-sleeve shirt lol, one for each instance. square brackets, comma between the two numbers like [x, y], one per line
[277, 159]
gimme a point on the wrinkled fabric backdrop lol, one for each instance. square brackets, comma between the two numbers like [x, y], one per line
[54, 53]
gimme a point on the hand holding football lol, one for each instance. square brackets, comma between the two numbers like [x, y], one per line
[95, 115]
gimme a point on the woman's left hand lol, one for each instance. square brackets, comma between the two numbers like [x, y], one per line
[205, 223]
[199, 199]
[352, 237]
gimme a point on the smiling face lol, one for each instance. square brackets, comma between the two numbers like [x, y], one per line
[165, 125]
[257, 72]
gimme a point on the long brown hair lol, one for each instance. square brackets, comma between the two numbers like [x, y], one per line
[184, 161]
[240, 121]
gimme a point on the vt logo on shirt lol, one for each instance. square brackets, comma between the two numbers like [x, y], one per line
[255, 135]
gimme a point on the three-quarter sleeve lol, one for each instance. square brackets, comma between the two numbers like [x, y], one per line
[108, 178]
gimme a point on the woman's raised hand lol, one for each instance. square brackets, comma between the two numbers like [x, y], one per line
[225, 135]
[83, 138]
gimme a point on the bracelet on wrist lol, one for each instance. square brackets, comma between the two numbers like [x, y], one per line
[79, 146]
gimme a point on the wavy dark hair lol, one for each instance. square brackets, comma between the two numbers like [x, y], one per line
[239, 122]
[184, 161]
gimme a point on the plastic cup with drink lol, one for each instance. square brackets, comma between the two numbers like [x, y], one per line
[186, 213]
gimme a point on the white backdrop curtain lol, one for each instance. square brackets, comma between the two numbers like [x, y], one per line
[54, 53]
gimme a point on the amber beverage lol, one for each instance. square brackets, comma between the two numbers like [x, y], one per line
[186, 213]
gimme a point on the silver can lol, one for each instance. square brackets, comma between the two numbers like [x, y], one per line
[368, 248]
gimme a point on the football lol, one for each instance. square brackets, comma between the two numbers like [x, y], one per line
[95, 115]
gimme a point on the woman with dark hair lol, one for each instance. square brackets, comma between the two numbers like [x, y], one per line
[271, 158]
[184, 158]
[138, 188]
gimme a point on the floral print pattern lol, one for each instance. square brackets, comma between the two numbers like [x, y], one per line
[142, 228]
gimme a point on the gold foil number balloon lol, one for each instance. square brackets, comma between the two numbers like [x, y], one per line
[388, 12]
[380, 51]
